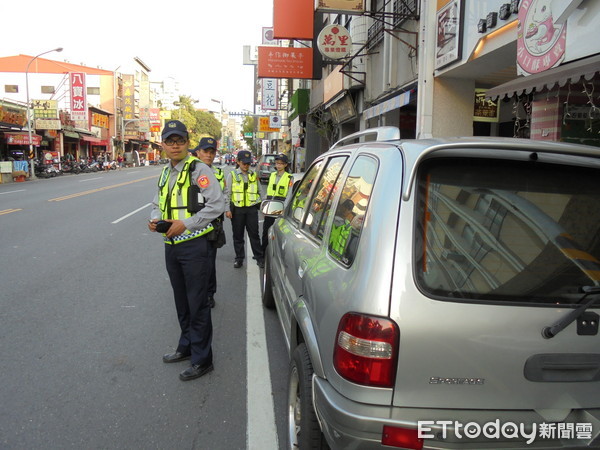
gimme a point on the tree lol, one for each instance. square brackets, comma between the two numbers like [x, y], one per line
[248, 125]
[199, 123]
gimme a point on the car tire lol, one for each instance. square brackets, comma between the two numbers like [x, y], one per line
[268, 300]
[304, 432]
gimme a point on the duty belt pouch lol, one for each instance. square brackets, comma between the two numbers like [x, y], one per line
[195, 200]
[217, 235]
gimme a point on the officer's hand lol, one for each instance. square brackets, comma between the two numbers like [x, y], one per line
[177, 227]
[152, 225]
[228, 214]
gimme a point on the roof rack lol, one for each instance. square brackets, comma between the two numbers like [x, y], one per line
[383, 134]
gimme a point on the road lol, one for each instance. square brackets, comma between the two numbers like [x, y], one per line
[87, 313]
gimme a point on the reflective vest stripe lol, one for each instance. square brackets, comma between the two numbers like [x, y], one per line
[242, 193]
[279, 189]
[173, 203]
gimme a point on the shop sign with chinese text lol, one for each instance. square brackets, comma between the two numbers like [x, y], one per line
[45, 109]
[541, 42]
[23, 139]
[484, 110]
[128, 93]
[285, 62]
[264, 124]
[269, 98]
[334, 42]
[78, 96]
[341, 6]
[47, 124]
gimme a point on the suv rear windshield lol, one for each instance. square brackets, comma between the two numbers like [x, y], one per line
[507, 230]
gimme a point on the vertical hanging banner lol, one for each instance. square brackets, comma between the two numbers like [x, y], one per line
[128, 92]
[269, 98]
[78, 96]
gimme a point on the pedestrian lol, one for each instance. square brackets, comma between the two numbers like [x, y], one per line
[120, 161]
[205, 152]
[277, 189]
[242, 197]
[188, 200]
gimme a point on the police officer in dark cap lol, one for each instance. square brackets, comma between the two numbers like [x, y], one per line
[205, 152]
[242, 202]
[188, 200]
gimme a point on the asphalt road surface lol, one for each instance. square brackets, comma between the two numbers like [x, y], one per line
[87, 313]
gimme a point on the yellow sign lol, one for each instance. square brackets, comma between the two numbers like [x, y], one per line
[264, 125]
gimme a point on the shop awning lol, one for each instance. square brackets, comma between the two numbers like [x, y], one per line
[93, 140]
[389, 105]
[22, 138]
[561, 75]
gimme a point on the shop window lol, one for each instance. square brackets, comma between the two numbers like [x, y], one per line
[93, 91]
[11, 88]
[47, 89]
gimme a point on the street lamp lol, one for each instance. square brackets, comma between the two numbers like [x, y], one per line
[59, 49]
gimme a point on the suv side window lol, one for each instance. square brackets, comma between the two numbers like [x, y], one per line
[351, 209]
[298, 203]
[319, 207]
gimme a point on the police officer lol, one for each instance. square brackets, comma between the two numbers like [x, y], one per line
[242, 202]
[277, 189]
[205, 152]
[189, 199]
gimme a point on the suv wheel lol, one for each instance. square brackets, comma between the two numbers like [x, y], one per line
[303, 427]
[267, 286]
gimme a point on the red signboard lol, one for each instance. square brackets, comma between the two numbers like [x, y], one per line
[78, 96]
[293, 19]
[285, 62]
[22, 139]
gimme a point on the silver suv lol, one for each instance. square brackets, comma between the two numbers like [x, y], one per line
[441, 294]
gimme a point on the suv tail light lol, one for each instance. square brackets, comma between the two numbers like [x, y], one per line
[366, 350]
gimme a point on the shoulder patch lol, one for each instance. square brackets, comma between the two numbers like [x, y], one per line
[203, 181]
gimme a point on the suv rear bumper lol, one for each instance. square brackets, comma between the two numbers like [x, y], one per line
[349, 424]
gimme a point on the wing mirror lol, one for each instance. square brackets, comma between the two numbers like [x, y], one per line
[272, 208]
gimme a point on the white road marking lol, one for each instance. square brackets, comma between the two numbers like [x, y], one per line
[11, 192]
[132, 213]
[261, 430]
[90, 179]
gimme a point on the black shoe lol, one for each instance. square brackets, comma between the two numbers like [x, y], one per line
[195, 371]
[261, 263]
[211, 301]
[237, 264]
[175, 357]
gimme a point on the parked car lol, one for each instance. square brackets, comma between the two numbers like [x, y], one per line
[425, 286]
[266, 166]
[217, 160]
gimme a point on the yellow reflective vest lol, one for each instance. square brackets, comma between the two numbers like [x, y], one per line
[242, 193]
[220, 176]
[173, 203]
[278, 190]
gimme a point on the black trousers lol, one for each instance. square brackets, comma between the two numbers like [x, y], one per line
[189, 265]
[267, 223]
[245, 218]
[212, 279]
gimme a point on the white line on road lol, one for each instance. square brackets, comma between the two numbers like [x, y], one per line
[11, 192]
[91, 179]
[132, 213]
[261, 430]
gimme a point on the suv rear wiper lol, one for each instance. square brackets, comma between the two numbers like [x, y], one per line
[562, 323]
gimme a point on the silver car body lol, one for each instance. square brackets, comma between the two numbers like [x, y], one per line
[463, 359]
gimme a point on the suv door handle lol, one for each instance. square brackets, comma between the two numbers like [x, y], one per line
[302, 268]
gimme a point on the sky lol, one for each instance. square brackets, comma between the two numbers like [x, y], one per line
[198, 42]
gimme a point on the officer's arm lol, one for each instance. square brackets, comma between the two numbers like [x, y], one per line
[214, 204]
